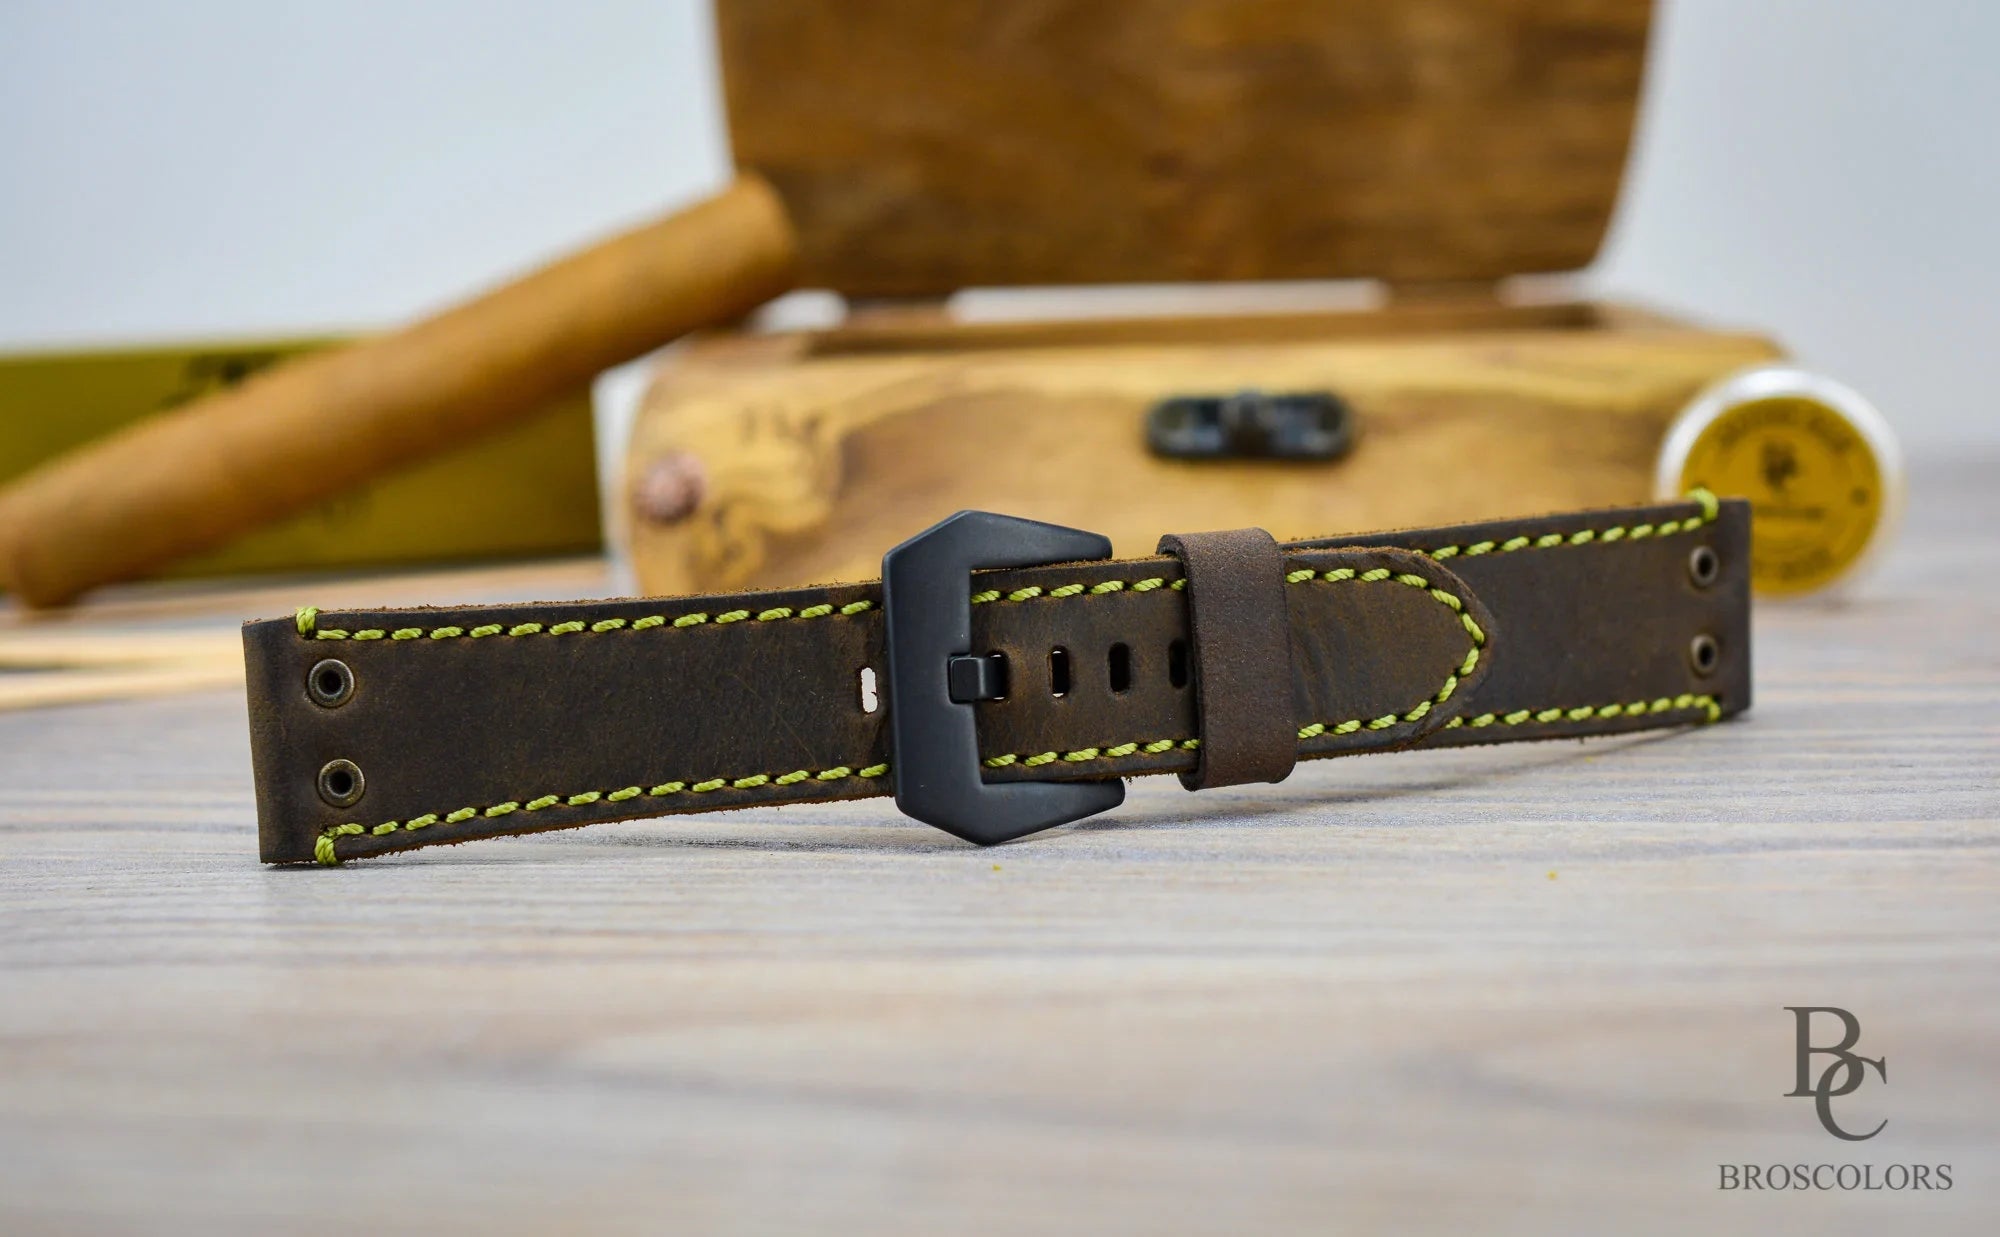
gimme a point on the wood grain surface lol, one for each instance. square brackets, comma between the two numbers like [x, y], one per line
[924, 147]
[1531, 989]
[754, 467]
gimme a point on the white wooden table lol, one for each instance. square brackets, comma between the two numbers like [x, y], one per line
[1533, 989]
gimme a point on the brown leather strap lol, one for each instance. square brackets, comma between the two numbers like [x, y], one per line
[1240, 647]
[477, 722]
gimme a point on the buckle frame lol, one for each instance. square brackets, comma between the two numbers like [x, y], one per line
[934, 740]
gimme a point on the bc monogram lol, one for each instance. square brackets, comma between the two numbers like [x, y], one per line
[1843, 1074]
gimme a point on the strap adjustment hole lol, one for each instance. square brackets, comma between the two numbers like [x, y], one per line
[1119, 663]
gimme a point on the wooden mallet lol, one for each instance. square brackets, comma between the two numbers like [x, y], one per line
[303, 432]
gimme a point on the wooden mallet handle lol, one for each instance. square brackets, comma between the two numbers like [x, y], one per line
[303, 432]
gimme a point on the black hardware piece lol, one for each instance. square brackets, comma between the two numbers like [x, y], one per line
[934, 739]
[1251, 425]
[978, 678]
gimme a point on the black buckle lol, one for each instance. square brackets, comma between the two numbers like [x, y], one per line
[1251, 425]
[934, 741]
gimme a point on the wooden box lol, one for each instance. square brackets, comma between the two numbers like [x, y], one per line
[1437, 148]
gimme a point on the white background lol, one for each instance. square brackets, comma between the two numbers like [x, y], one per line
[1823, 169]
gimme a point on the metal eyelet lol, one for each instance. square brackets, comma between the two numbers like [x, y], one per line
[1704, 566]
[1703, 654]
[330, 684]
[341, 783]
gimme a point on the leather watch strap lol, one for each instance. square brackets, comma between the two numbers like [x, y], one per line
[1239, 656]
[377, 731]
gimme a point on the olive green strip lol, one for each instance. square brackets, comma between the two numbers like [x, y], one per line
[323, 847]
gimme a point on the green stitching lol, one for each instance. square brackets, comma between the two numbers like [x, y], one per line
[1638, 708]
[324, 853]
[1665, 704]
[1033, 591]
[1666, 528]
[1707, 501]
[1153, 748]
[306, 619]
[1420, 710]
[1416, 713]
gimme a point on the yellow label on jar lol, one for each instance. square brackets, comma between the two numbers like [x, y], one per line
[1814, 485]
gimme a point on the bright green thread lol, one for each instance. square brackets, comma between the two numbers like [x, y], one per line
[1708, 503]
[306, 620]
[1422, 708]
[323, 848]
[1707, 705]
[1090, 753]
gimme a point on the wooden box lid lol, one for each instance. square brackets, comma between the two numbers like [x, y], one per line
[923, 146]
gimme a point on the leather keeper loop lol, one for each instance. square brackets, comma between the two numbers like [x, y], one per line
[1240, 656]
